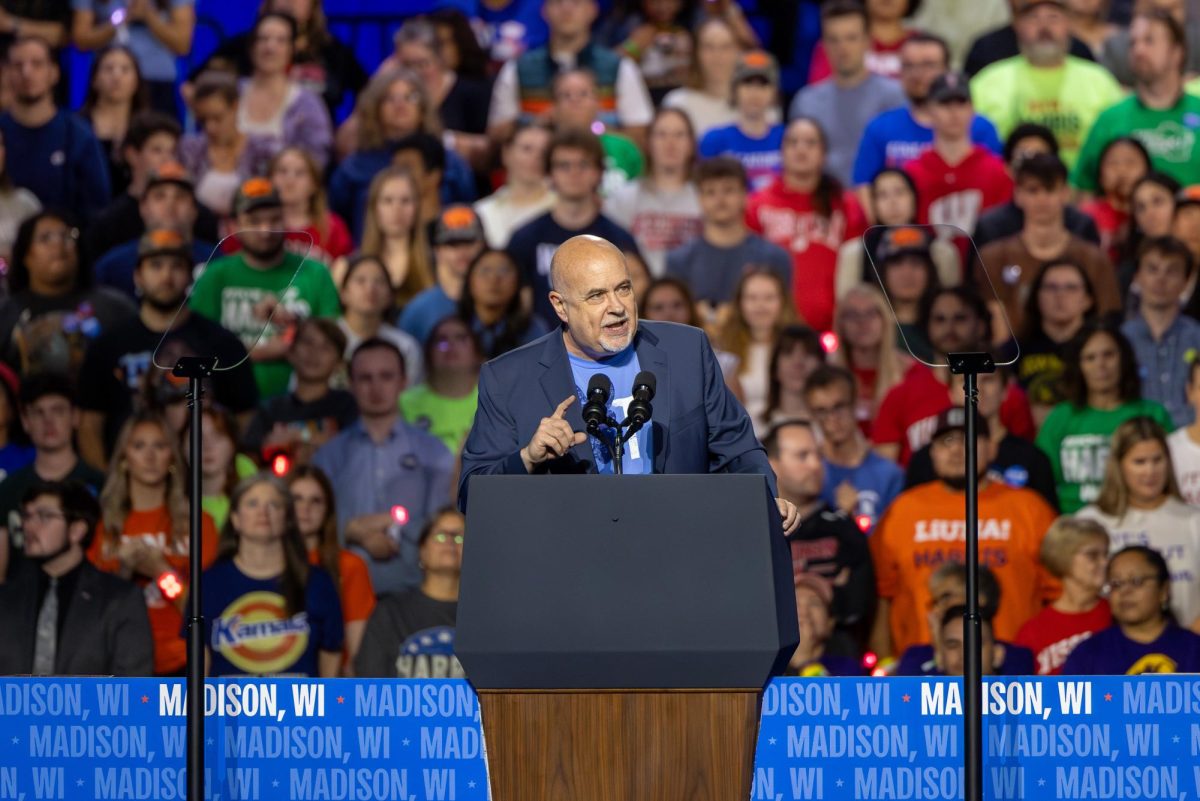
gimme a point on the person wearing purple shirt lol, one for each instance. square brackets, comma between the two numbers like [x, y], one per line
[1144, 637]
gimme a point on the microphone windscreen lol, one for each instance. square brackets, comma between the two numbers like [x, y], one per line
[646, 379]
[600, 383]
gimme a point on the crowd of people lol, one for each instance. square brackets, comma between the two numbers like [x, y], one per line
[935, 186]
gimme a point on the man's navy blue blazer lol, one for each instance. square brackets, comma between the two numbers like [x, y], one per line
[699, 426]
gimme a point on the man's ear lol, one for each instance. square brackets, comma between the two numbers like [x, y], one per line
[560, 305]
[77, 531]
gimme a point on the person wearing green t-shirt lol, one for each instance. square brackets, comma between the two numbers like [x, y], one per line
[445, 404]
[241, 291]
[1100, 381]
[1044, 84]
[1159, 114]
[577, 105]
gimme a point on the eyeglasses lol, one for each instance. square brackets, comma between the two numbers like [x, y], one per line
[579, 164]
[1132, 583]
[837, 409]
[442, 537]
[43, 516]
[67, 237]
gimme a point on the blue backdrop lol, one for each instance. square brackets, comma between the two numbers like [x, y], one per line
[1110, 737]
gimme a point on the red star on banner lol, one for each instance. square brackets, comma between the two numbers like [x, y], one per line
[1108, 696]
[341, 699]
[906, 698]
[145, 699]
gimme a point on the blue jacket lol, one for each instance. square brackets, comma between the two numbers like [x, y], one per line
[699, 426]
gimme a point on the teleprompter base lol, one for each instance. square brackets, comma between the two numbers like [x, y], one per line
[620, 745]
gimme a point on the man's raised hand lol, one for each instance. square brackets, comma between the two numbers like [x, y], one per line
[553, 438]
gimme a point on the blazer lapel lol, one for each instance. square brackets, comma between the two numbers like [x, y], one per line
[558, 384]
[654, 359]
[82, 617]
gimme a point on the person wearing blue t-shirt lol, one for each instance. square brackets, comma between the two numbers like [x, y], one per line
[899, 135]
[266, 610]
[50, 151]
[457, 242]
[858, 481]
[752, 140]
[1144, 636]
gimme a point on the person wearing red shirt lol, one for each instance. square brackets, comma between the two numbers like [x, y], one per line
[956, 320]
[956, 179]
[808, 213]
[1075, 551]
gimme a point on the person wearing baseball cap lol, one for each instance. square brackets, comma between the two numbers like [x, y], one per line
[923, 528]
[118, 360]
[753, 138]
[1001, 43]
[1045, 84]
[241, 291]
[457, 240]
[956, 179]
[167, 202]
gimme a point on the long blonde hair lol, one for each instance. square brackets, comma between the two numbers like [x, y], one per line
[371, 135]
[115, 504]
[891, 362]
[1114, 494]
[733, 333]
[420, 273]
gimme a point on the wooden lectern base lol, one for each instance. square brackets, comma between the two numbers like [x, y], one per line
[620, 745]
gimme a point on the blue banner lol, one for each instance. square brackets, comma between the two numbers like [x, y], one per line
[879, 739]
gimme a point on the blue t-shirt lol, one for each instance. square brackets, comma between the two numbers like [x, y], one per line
[1111, 653]
[761, 157]
[877, 480]
[425, 311]
[621, 369]
[61, 162]
[13, 457]
[894, 138]
[155, 59]
[248, 631]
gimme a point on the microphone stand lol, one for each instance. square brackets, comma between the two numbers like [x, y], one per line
[969, 366]
[615, 443]
[195, 369]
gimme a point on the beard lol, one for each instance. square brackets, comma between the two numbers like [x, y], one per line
[164, 304]
[1044, 52]
[268, 250]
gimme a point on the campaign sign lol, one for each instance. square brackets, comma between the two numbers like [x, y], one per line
[265, 739]
[1110, 737]
[1044, 738]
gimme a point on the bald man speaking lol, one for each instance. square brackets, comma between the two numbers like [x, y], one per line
[529, 418]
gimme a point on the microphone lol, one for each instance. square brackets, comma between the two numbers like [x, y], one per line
[640, 409]
[595, 408]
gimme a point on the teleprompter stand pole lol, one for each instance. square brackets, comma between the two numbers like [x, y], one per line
[195, 369]
[969, 366]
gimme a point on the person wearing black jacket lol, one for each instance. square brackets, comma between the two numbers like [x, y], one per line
[1018, 462]
[827, 542]
[59, 615]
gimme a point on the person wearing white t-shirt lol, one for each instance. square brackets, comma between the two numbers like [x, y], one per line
[1185, 443]
[525, 193]
[1140, 504]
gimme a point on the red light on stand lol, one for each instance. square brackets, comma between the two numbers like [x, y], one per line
[829, 341]
[281, 464]
[399, 515]
[863, 522]
[870, 660]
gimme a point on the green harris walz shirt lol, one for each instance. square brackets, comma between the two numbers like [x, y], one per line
[229, 289]
[1171, 136]
[1077, 442]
